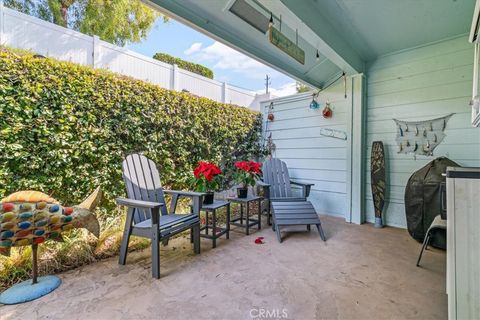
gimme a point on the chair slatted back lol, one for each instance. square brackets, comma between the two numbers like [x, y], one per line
[275, 173]
[142, 181]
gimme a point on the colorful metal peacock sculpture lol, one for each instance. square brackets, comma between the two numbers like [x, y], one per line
[31, 218]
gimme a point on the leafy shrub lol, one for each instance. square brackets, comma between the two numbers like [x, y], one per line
[187, 65]
[65, 129]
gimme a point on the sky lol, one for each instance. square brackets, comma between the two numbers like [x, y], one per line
[228, 65]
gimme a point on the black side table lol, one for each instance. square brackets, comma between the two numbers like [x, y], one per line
[216, 232]
[248, 221]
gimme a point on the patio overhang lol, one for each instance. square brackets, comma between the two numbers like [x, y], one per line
[346, 33]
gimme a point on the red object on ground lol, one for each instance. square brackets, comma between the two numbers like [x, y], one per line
[259, 240]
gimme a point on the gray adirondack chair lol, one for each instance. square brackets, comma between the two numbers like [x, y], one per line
[288, 209]
[277, 185]
[147, 215]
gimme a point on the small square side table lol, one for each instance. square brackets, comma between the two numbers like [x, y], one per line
[249, 222]
[216, 232]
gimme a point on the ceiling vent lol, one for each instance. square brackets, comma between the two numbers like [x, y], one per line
[248, 13]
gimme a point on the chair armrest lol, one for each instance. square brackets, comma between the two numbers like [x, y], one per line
[153, 207]
[260, 183]
[301, 183]
[138, 203]
[181, 193]
[305, 187]
[195, 196]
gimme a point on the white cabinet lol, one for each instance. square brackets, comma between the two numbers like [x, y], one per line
[463, 243]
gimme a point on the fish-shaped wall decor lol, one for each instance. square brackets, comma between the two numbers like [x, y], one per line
[432, 135]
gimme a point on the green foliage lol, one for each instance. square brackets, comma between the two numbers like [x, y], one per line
[118, 21]
[66, 128]
[187, 65]
[115, 21]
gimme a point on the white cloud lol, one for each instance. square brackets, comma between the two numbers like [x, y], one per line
[232, 62]
[225, 58]
[284, 90]
[195, 47]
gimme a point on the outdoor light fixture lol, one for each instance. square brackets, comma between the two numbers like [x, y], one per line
[270, 23]
[317, 56]
[251, 13]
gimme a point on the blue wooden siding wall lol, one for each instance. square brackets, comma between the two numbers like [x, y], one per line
[309, 156]
[420, 83]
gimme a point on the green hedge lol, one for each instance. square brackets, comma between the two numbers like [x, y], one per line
[65, 129]
[187, 65]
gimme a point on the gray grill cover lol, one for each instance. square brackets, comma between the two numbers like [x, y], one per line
[422, 200]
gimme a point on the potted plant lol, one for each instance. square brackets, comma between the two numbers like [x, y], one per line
[247, 174]
[207, 179]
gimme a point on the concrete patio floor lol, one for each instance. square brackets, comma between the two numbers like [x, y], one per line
[359, 273]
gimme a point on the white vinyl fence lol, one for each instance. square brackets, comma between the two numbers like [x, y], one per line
[18, 30]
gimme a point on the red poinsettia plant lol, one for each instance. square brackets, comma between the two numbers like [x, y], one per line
[206, 177]
[248, 172]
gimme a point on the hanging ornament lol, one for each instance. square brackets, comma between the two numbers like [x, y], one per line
[270, 115]
[327, 111]
[420, 137]
[314, 104]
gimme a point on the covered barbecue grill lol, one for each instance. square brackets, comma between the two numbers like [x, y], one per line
[423, 200]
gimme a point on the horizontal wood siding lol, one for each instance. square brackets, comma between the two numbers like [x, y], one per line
[311, 157]
[417, 84]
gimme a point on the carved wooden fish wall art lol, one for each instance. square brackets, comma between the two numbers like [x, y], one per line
[428, 134]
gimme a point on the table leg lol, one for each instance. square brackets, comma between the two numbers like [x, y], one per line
[228, 221]
[214, 231]
[241, 213]
[259, 214]
[248, 221]
[206, 222]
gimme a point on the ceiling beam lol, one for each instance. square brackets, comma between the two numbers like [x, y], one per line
[331, 44]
